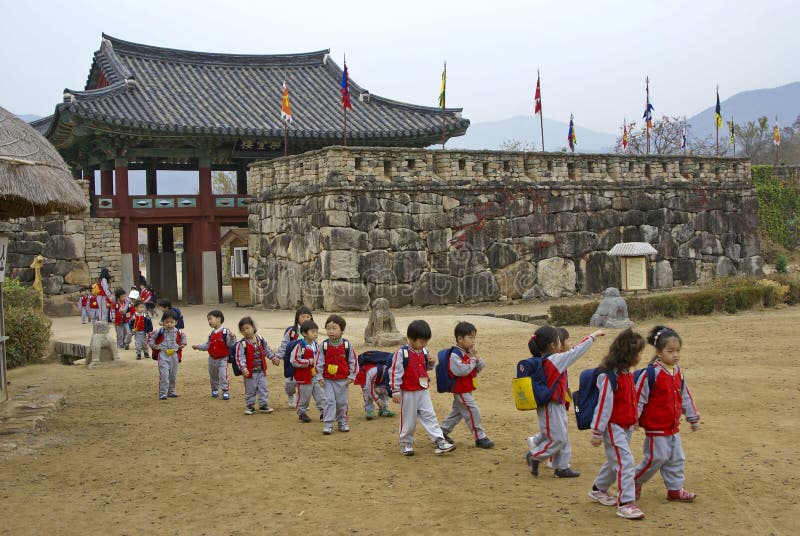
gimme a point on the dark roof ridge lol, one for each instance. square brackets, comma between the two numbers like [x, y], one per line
[91, 94]
[120, 46]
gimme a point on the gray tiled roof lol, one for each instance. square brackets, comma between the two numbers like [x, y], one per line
[168, 90]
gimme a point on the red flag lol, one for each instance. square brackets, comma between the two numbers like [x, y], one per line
[346, 88]
[625, 136]
[538, 97]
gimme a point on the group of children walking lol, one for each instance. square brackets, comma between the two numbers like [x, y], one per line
[653, 398]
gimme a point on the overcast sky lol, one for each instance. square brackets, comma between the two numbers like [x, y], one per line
[593, 55]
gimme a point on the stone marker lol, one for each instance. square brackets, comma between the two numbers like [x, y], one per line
[102, 348]
[612, 311]
[381, 329]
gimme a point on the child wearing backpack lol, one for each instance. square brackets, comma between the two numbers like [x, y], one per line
[292, 333]
[663, 397]
[252, 352]
[303, 360]
[83, 305]
[94, 308]
[409, 380]
[373, 377]
[463, 367]
[167, 343]
[552, 441]
[121, 315]
[336, 370]
[165, 305]
[219, 343]
[613, 420]
[141, 327]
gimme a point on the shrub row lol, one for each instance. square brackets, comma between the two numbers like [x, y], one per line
[27, 328]
[725, 296]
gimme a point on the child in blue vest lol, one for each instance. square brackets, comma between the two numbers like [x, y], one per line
[336, 370]
[252, 353]
[409, 381]
[614, 417]
[663, 398]
[167, 343]
[292, 333]
[552, 441]
[218, 345]
[304, 360]
[464, 367]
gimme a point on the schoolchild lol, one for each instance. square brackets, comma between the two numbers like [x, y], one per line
[83, 305]
[121, 315]
[303, 360]
[94, 308]
[376, 392]
[134, 293]
[141, 327]
[663, 398]
[105, 297]
[252, 353]
[612, 424]
[165, 305]
[218, 346]
[147, 296]
[409, 380]
[292, 333]
[336, 370]
[464, 366]
[167, 344]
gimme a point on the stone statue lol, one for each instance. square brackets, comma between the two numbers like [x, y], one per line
[381, 329]
[612, 311]
[102, 348]
[37, 277]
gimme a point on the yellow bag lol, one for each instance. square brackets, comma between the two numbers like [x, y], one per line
[523, 393]
[333, 369]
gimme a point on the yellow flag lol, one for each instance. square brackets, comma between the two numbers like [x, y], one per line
[444, 83]
[286, 108]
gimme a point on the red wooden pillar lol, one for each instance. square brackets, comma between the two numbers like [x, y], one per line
[106, 179]
[128, 230]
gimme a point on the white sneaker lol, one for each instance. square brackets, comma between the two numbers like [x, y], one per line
[407, 450]
[292, 401]
[630, 511]
[603, 497]
[443, 446]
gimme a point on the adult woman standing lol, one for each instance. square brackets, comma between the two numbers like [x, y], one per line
[105, 297]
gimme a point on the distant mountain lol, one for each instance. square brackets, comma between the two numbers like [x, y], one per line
[783, 101]
[489, 135]
[29, 117]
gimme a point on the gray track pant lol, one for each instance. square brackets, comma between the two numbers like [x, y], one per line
[663, 453]
[417, 405]
[256, 387]
[167, 373]
[552, 439]
[140, 342]
[618, 467]
[218, 373]
[307, 390]
[335, 404]
[369, 403]
[290, 387]
[464, 407]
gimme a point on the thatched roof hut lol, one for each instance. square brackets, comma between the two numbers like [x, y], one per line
[34, 179]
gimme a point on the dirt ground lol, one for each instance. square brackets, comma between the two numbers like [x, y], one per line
[119, 461]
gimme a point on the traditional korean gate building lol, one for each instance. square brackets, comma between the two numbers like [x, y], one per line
[153, 109]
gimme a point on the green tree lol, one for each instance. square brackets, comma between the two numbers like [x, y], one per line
[223, 182]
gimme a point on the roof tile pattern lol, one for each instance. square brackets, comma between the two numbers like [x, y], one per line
[178, 91]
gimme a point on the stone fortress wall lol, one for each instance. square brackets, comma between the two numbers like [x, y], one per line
[339, 227]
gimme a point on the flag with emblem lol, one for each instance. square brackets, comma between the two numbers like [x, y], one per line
[571, 138]
[718, 111]
[286, 108]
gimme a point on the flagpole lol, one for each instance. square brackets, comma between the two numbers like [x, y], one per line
[683, 138]
[777, 145]
[733, 136]
[716, 121]
[646, 108]
[541, 113]
[285, 139]
[344, 132]
[444, 81]
[625, 134]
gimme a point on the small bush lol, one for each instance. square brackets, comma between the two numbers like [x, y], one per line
[781, 264]
[15, 294]
[793, 287]
[572, 315]
[28, 331]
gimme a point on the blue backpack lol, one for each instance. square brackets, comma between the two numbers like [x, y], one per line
[237, 371]
[445, 380]
[587, 395]
[288, 369]
[533, 367]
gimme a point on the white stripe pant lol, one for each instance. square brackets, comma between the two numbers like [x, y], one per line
[665, 454]
[464, 407]
[618, 468]
[140, 343]
[85, 315]
[335, 404]
[417, 405]
[167, 373]
[307, 390]
[256, 387]
[218, 373]
[552, 439]
[369, 403]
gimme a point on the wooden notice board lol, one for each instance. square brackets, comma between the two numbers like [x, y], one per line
[634, 273]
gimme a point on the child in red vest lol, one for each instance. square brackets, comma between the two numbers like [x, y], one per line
[94, 308]
[141, 326]
[304, 361]
[663, 398]
[218, 346]
[121, 315]
[409, 380]
[167, 343]
[292, 333]
[336, 370]
[83, 305]
[464, 367]
[252, 353]
[613, 421]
